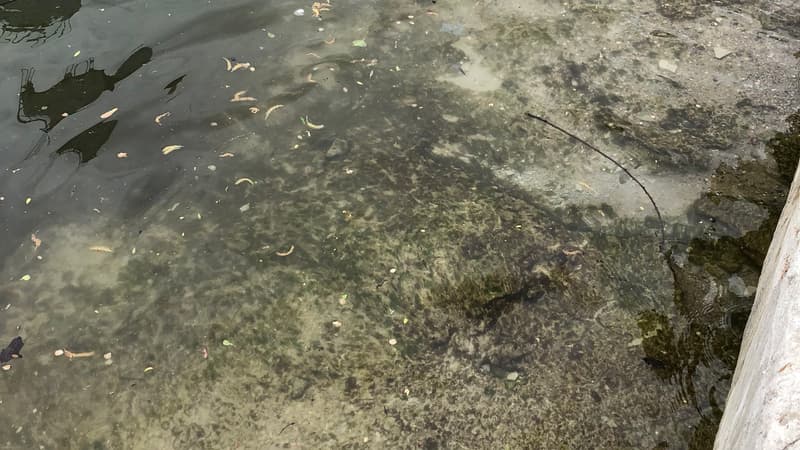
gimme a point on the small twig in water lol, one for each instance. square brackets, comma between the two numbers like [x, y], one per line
[287, 426]
[662, 244]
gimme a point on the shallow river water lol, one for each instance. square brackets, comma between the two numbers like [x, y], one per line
[286, 224]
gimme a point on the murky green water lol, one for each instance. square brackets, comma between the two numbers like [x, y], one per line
[277, 230]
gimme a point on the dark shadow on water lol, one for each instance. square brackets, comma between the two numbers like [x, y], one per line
[89, 142]
[82, 84]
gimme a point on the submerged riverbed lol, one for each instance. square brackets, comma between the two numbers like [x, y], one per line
[290, 224]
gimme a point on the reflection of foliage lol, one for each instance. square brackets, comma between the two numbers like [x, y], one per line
[35, 20]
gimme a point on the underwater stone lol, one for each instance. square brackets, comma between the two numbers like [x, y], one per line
[338, 148]
[737, 286]
[667, 65]
[721, 52]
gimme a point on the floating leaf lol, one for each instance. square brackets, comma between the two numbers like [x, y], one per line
[26, 277]
[170, 148]
[359, 43]
[227, 343]
[161, 116]
[108, 113]
[241, 97]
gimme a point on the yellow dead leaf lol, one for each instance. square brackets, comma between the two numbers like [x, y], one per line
[287, 252]
[71, 355]
[270, 110]
[108, 113]
[170, 148]
[313, 126]
[240, 97]
[238, 66]
[161, 116]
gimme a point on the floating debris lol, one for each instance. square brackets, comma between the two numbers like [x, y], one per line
[318, 8]
[59, 352]
[359, 43]
[108, 113]
[170, 148]
[245, 65]
[72, 355]
[25, 277]
[271, 109]
[148, 369]
[240, 97]
[107, 355]
[161, 116]
[226, 155]
[36, 242]
[245, 207]
[101, 249]
[244, 180]
[313, 126]
[287, 252]
[227, 343]
[300, 12]
[392, 342]
[122, 155]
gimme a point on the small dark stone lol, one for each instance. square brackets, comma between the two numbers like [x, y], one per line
[350, 384]
[338, 148]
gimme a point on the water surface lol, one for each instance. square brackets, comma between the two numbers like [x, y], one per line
[278, 230]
